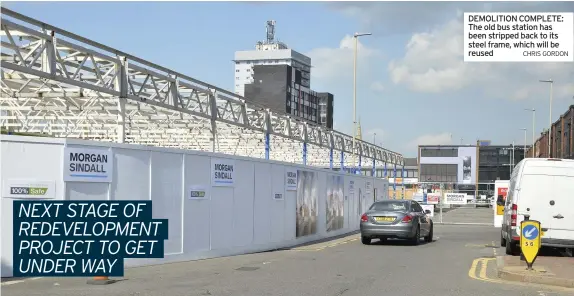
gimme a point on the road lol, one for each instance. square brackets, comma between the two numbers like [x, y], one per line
[468, 216]
[342, 267]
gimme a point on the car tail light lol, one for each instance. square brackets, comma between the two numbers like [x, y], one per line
[513, 215]
[407, 219]
[364, 218]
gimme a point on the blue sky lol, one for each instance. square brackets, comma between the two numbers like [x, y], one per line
[413, 86]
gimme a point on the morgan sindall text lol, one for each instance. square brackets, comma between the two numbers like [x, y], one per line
[518, 37]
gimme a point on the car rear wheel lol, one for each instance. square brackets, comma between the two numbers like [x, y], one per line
[365, 240]
[428, 238]
[417, 238]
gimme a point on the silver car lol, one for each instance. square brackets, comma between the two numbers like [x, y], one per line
[402, 219]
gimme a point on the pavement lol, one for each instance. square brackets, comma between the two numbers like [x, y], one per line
[549, 268]
[461, 261]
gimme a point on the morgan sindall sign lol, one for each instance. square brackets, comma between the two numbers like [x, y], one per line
[88, 165]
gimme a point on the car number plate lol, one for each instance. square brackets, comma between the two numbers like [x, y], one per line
[384, 219]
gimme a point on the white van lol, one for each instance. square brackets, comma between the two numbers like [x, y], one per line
[542, 188]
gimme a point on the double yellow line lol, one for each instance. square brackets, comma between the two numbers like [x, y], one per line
[320, 247]
[480, 274]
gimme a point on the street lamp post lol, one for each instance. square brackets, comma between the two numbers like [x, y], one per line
[550, 119]
[533, 128]
[524, 129]
[356, 37]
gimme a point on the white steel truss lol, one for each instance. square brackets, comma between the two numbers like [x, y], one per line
[63, 85]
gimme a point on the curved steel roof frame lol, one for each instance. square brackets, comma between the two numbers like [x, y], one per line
[64, 85]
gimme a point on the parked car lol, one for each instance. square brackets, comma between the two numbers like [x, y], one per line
[541, 189]
[402, 219]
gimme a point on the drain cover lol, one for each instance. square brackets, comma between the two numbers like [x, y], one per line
[247, 268]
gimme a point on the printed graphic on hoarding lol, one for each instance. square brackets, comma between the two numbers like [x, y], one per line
[433, 198]
[455, 198]
[29, 189]
[222, 172]
[88, 165]
[335, 202]
[197, 192]
[290, 179]
[360, 199]
[307, 196]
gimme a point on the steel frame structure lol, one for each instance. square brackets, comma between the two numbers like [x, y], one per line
[60, 84]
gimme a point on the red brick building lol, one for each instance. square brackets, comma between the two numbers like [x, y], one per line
[561, 137]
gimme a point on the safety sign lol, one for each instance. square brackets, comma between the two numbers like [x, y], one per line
[530, 240]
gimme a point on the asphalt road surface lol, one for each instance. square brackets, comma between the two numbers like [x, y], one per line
[459, 262]
[467, 216]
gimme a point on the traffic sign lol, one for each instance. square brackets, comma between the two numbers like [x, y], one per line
[530, 240]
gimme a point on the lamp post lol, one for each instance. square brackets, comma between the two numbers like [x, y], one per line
[550, 119]
[356, 37]
[533, 128]
[524, 129]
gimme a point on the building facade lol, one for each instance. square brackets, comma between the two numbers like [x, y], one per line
[468, 165]
[279, 78]
[279, 88]
[326, 109]
[561, 139]
[269, 52]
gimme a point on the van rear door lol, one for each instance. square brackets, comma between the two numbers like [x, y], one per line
[563, 208]
[547, 189]
[533, 197]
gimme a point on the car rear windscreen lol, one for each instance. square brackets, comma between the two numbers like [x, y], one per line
[389, 206]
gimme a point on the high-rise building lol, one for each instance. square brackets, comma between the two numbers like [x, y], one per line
[269, 52]
[326, 109]
[279, 88]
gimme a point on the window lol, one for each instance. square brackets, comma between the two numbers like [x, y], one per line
[439, 173]
[389, 206]
[236, 78]
[237, 70]
[439, 152]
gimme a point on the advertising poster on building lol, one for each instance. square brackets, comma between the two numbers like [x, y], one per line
[307, 203]
[468, 170]
[335, 202]
[222, 172]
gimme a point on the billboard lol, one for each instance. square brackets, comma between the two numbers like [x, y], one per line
[335, 202]
[307, 196]
[467, 171]
[465, 161]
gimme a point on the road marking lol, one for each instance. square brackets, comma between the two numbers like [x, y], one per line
[482, 276]
[322, 246]
[19, 281]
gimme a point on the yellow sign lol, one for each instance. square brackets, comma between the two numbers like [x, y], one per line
[530, 240]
